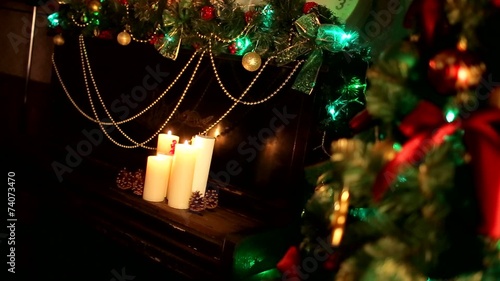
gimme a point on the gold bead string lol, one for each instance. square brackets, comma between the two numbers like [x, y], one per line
[77, 23]
[182, 96]
[144, 40]
[86, 65]
[237, 101]
[322, 145]
[84, 58]
[129, 30]
[137, 144]
[63, 85]
[223, 40]
[66, 91]
[226, 92]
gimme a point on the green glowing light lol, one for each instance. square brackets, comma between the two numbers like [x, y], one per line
[336, 107]
[334, 37]
[362, 213]
[95, 21]
[402, 179]
[346, 36]
[270, 274]
[268, 16]
[332, 111]
[248, 258]
[268, 10]
[53, 19]
[242, 43]
[356, 86]
[397, 146]
[353, 87]
[169, 38]
[451, 115]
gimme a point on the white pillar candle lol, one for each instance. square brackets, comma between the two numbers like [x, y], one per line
[168, 169]
[156, 178]
[205, 146]
[181, 176]
[166, 143]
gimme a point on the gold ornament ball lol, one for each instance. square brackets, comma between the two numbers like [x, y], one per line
[123, 38]
[251, 61]
[58, 39]
[94, 6]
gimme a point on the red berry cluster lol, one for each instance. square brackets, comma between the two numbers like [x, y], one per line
[106, 34]
[156, 38]
[232, 48]
[249, 15]
[308, 6]
[207, 13]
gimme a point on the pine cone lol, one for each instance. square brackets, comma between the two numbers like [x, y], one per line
[138, 182]
[196, 202]
[124, 179]
[211, 199]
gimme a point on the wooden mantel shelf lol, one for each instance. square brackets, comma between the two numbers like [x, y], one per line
[196, 246]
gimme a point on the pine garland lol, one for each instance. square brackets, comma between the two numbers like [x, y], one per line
[266, 28]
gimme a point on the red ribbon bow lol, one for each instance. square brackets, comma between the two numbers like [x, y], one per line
[425, 127]
[483, 144]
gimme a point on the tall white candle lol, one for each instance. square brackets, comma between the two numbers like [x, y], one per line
[168, 169]
[181, 176]
[166, 143]
[156, 178]
[205, 148]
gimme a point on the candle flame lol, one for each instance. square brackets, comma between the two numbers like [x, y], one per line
[217, 132]
[186, 142]
[169, 132]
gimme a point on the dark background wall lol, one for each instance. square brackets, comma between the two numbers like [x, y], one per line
[49, 242]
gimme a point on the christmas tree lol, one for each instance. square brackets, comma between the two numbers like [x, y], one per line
[415, 194]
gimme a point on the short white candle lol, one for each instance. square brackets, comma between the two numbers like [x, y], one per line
[205, 148]
[181, 176]
[156, 178]
[166, 143]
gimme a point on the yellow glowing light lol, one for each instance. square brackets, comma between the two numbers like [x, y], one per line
[341, 220]
[337, 236]
[463, 74]
[462, 44]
